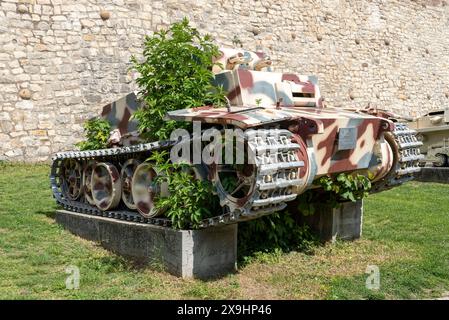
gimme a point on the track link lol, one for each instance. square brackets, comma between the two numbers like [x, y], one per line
[407, 155]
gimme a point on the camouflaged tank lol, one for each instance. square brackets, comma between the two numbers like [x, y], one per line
[433, 131]
[291, 138]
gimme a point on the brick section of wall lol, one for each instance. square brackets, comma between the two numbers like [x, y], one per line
[60, 61]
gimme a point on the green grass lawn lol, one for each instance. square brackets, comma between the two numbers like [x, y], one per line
[405, 234]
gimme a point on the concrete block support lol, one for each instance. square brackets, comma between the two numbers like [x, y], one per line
[185, 253]
[343, 223]
[433, 174]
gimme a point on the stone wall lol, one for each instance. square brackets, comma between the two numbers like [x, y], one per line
[61, 61]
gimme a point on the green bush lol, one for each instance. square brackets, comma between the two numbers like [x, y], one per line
[176, 73]
[189, 199]
[97, 133]
[333, 191]
[274, 233]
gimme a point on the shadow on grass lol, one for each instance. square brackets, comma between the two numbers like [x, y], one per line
[50, 213]
[117, 263]
[271, 250]
[273, 254]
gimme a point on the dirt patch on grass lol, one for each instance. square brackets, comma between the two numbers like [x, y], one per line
[445, 296]
[348, 259]
[251, 288]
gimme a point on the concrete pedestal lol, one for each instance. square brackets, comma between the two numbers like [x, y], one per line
[343, 223]
[202, 253]
[433, 174]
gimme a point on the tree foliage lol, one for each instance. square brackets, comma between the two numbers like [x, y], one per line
[278, 231]
[189, 199]
[334, 191]
[176, 73]
[97, 133]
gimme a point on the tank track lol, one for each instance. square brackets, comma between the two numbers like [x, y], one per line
[406, 155]
[274, 157]
[277, 168]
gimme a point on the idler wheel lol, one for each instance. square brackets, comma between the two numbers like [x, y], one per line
[389, 138]
[145, 189]
[235, 184]
[128, 169]
[71, 179]
[106, 186]
[87, 181]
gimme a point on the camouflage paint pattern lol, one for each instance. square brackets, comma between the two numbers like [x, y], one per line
[145, 189]
[71, 179]
[258, 88]
[126, 175]
[106, 186]
[119, 112]
[319, 127]
[87, 181]
[233, 58]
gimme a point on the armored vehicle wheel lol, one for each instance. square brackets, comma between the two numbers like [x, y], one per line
[128, 169]
[106, 186]
[236, 183]
[145, 188]
[406, 157]
[87, 181]
[267, 178]
[71, 179]
[442, 160]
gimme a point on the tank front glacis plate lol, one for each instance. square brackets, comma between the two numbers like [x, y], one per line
[250, 116]
[331, 158]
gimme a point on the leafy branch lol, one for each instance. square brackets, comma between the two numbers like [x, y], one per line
[175, 73]
[189, 199]
[97, 133]
[277, 231]
[334, 191]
